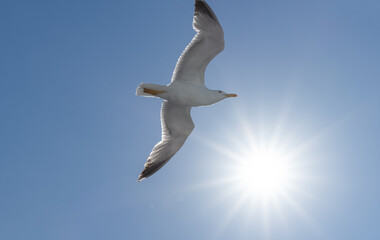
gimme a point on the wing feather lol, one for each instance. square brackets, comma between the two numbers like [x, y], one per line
[206, 44]
[177, 125]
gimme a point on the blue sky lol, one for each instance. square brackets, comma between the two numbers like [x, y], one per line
[74, 137]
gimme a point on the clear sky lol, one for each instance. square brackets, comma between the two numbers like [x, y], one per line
[74, 137]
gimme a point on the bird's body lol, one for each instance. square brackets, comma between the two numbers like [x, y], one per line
[186, 89]
[186, 94]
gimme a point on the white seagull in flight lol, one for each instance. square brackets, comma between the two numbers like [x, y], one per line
[187, 88]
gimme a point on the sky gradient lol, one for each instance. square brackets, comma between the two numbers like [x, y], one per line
[74, 137]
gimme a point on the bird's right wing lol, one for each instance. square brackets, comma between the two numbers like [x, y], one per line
[177, 125]
[206, 44]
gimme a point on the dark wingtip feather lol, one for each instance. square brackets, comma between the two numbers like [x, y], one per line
[201, 7]
[150, 169]
[144, 174]
[140, 178]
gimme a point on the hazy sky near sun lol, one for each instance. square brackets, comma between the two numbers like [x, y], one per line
[74, 137]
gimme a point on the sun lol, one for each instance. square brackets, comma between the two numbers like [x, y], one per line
[259, 170]
[262, 165]
[263, 172]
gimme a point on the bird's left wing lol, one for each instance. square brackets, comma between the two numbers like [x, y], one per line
[177, 125]
[206, 44]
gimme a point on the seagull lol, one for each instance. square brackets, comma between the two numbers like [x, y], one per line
[186, 89]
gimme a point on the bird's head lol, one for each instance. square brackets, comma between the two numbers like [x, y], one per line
[220, 95]
[224, 95]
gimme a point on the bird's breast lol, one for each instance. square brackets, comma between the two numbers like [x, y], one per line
[188, 95]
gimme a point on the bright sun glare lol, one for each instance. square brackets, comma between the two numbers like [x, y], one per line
[263, 173]
[262, 168]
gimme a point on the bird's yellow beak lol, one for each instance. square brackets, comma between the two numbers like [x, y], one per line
[231, 95]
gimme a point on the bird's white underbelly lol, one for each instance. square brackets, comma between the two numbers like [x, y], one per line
[188, 95]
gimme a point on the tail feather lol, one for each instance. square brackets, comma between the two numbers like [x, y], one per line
[149, 90]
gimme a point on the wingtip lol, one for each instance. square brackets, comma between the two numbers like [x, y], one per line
[201, 7]
[140, 178]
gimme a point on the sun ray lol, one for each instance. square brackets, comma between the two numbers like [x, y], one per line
[305, 216]
[265, 172]
[231, 214]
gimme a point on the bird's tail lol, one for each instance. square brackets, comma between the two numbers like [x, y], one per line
[150, 90]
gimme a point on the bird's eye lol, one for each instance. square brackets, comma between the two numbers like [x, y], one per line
[219, 91]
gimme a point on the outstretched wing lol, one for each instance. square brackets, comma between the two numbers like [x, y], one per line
[206, 44]
[177, 125]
